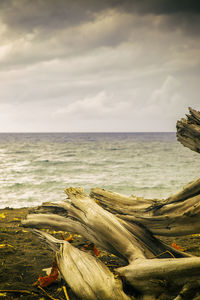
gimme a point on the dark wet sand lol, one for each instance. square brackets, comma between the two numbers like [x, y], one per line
[22, 258]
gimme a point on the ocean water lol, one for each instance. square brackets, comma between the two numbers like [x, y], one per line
[37, 167]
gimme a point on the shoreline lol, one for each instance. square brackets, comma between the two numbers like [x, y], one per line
[23, 256]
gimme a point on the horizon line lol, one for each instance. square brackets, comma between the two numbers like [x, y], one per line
[6, 132]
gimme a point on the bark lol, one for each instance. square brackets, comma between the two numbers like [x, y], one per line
[188, 130]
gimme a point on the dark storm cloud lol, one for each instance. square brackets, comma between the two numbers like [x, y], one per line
[28, 15]
[162, 6]
[178, 14]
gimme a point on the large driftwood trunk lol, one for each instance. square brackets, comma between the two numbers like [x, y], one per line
[152, 267]
[188, 130]
[176, 216]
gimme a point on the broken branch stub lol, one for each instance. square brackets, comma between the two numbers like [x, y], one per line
[188, 130]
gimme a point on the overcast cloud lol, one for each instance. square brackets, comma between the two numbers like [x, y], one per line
[90, 65]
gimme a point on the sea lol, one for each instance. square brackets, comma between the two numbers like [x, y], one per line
[37, 167]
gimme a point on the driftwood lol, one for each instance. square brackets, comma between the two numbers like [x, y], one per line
[188, 130]
[155, 276]
[153, 268]
[128, 227]
[127, 239]
[87, 276]
[178, 215]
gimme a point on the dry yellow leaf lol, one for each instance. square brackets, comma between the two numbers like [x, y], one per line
[5, 245]
[2, 216]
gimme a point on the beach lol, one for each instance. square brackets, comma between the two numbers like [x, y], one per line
[23, 256]
[38, 167]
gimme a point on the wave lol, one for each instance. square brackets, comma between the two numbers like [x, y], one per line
[148, 165]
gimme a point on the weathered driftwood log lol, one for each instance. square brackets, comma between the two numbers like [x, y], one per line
[147, 272]
[87, 276]
[178, 215]
[128, 240]
[60, 223]
[154, 276]
[105, 227]
[188, 130]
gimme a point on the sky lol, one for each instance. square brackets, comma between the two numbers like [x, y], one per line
[98, 66]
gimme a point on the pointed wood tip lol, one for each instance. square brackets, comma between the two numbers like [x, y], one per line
[71, 191]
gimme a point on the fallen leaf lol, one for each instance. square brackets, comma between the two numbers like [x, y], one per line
[96, 251]
[2, 216]
[177, 247]
[5, 245]
[68, 239]
[44, 281]
[92, 246]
